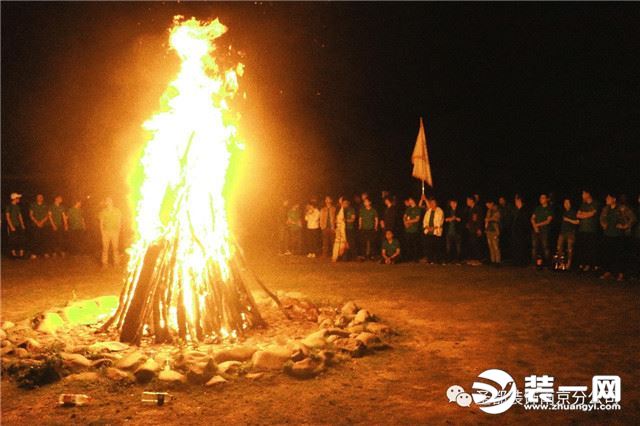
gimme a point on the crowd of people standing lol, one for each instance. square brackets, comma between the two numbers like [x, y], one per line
[51, 230]
[555, 233]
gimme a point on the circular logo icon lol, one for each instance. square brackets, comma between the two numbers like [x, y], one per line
[496, 394]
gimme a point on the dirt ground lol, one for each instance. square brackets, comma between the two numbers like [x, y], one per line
[454, 322]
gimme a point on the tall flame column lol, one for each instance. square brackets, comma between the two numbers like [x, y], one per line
[184, 279]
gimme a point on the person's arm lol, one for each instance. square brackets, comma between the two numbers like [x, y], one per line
[571, 221]
[33, 217]
[396, 254]
[12, 227]
[360, 222]
[533, 223]
[603, 218]
[384, 254]
[65, 220]
[21, 221]
[50, 219]
[84, 224]
[376, 222]
[586, 215]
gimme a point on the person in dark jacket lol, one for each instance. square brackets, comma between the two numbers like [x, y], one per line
[520, 234]
[453, 232]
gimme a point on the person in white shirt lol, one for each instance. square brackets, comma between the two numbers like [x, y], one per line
[432, 224]
[314, 235]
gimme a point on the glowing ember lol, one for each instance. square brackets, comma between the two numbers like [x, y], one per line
[182, 278]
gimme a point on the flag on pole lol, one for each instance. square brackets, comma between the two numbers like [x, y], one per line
[420, 158]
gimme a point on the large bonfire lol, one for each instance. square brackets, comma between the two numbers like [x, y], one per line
[184, 279]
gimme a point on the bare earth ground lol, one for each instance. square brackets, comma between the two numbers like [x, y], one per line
[455, 322]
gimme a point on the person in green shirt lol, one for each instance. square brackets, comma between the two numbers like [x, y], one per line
[411, 221]
[15, 226]
[587, 235]
[59, 226]
[41, 225]
[540, 219]
[368, 226]
[568, 227]
[294, 230]
[612, 223]
[77, 228]
[390, 248]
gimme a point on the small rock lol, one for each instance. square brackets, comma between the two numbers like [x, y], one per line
[118, 375]
[254, 376]
[238, 353]
[6, 325]
[231, 368]
[202, 372]
[147, 371]
[327, 323]
[50, 323]
[341, 321]
[354, 348]
[271, 359]
[370, 340]
[21, 353]
[131, 360]
[379, 329]
[356, 329]
[216, 380]
[108, 346]
[162, 358]
[334, 331]
[102, 362]
[88, 376]
[305, 369]
[3, 334]
[326, 357]
[315, 340]
[6, 348]
[171, 376]
[362, 316]
[75, 360]
[332, 338]
[5, 343]
[349, 308]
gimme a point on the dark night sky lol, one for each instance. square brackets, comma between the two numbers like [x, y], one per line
[528, 97]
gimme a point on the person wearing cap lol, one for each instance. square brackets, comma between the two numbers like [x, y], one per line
[59, 226]
[110, 222]
[39, 215]
[15, 226]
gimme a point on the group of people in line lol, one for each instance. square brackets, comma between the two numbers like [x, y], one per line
[50, 230]
[588, 238]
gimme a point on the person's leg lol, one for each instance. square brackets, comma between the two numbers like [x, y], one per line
[498, 254]
[115, 243]
[449, 247]
[571, 239]
[489, 238]
[534, 246]
[560, 244]
[105, 249]
[458, 247]
[544, 235]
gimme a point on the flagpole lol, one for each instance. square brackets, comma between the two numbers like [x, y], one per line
[422, 188]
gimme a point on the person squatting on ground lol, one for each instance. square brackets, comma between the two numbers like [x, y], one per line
[15, 226]
[110, 220]
[390, 248]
